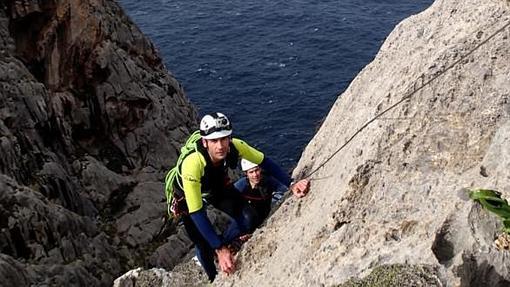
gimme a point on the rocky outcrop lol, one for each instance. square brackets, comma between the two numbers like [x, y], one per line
[396, 195]
[188, 273]
[90, 120]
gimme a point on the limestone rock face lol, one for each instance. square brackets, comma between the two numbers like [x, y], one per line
[397, 193]
[90, 120]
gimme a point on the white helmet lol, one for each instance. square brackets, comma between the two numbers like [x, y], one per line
[247, 165]
[214, 126]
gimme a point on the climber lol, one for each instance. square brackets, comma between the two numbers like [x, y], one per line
[205, 181]
[262, 192]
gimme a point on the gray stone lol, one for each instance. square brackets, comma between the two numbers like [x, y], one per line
[12, 272]
[171, 253]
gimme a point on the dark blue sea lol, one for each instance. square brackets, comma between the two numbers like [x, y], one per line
[274, 67]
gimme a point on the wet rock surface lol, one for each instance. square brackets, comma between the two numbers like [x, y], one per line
[90, 120]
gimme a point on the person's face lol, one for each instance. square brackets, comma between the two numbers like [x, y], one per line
[217, 148]
[254, 175]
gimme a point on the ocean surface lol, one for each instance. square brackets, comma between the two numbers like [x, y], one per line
[274, 67]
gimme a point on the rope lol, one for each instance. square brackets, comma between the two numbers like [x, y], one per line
[408, 96]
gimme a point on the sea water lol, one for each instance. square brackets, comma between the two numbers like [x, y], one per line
[274, 67]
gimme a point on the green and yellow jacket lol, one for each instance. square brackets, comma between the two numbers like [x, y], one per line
[202, 180]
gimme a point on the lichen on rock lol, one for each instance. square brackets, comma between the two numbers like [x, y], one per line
[397, 275]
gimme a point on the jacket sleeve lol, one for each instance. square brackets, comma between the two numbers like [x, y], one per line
[248, 152]
[192, 171]
[241, 184]
[275, 171]
[278, 188]
[255, 156]
[205, 228]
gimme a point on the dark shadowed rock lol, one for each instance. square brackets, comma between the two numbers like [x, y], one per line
[90, 120]
[50, 239]
[173, 251]
[12, 272]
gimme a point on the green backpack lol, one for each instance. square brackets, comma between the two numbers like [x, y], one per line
[173, 176]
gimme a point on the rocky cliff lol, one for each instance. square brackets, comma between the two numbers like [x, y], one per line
[393, 200]
[89, 121]
[422, 124]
